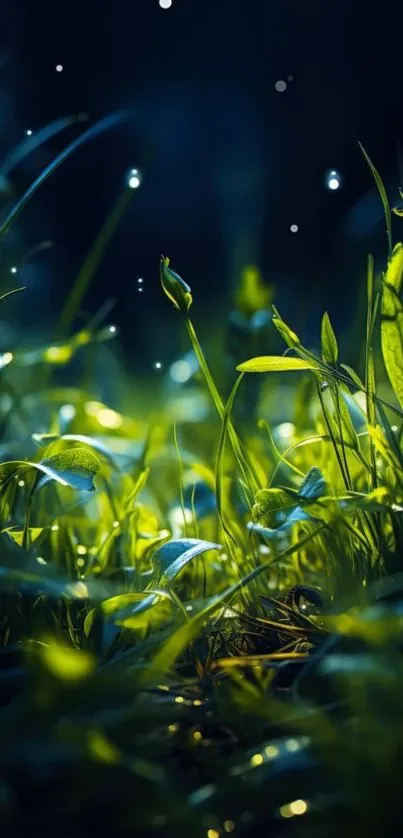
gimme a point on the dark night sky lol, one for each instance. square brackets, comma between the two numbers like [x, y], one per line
[225, 158]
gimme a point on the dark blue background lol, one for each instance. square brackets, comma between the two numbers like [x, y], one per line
[228, 163]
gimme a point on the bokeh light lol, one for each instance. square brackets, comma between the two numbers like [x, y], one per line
[333, 180]
[165, 4]
[280, 86]
[134, 180]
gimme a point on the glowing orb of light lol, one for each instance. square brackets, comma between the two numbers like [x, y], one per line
[29, 132]
[165, 4]
[134, 180]
[333, 180]
[294, 228]
[59, 68]
[280, 86]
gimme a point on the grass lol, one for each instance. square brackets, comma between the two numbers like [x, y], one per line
[201, 623]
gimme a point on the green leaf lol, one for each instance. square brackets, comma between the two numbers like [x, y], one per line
[354, 377]
[76, 468]
[394, 271]
[383, 196]
[173, 556]
[18, 535]
[275, 363]
[330, 350]
[296, 516]
[290, 338]
[392, 339]
[270, 501]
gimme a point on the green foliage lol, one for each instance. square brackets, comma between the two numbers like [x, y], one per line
[213, 647]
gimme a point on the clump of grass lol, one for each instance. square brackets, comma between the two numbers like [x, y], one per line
[201, 632]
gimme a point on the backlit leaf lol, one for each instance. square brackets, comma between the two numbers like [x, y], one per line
[76, 467]
[173, 556]
[329, 343]
[392, 335]
[275, 363]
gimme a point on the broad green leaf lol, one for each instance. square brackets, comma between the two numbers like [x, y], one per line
[392, 339]
[330, 350]
[173, 556]
[270, 501]
[76, 467]
[275, 363]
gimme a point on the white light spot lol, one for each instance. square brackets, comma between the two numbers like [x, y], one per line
[134, 180]
[40, 560]
[112, 330]
[109, 418]
[294, 228]
[59, 68]
[67, 412]
[13, 270]
[5, 359]
[290, 78]
[333, 180]
[116, 525]
[21, 483]
[165, 4]
[280, 86]
[157, 365]
[140, 290]
[55, 527]
[29, 132]
[140, 280]
[180, 372]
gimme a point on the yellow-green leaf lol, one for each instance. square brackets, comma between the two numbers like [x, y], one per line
[275, 363]
[392, 337]
[394, 271]
[330, 350]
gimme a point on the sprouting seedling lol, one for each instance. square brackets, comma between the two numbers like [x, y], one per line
[180, 294]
